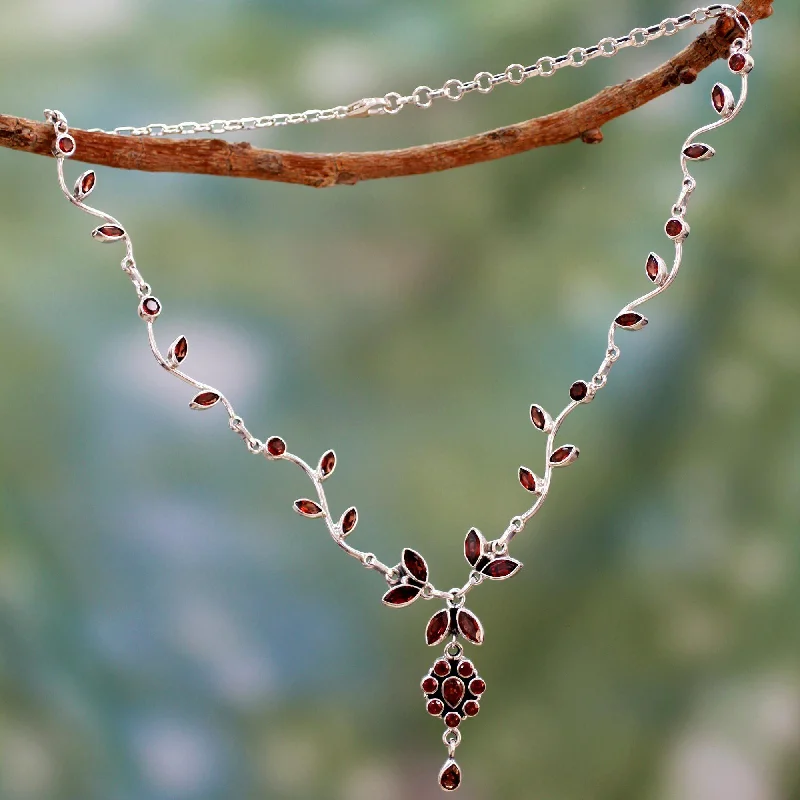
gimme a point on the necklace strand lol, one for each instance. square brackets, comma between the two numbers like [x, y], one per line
[452, 688]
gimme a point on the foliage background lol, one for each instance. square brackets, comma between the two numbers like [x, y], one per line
[170, 629]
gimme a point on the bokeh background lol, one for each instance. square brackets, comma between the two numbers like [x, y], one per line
[171, 630]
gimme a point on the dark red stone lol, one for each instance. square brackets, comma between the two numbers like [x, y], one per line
[737, 62]
[206, 399]
[652, 267]
[401, 595]
[437, 627]
[87, 184]
[415, 564]
[453, 691]
[562, 454]
[66, 145]
[327, 463]
[180, 349]
[538, 417]
[696, 151]
[630, 320]
[441, 668]
[307, 507]
[470, 627]
[471, 708]
[349, 520]
[151, 307]
[674, 228]
[450, 776]
[501, 568]
[527, 479]
[452, 720]
[435, 707]
[430, 685]
[111, 231]
[718, 98]
[276, 446]
[477, 687]
[465, 669]
[473, 547]
[578, 391]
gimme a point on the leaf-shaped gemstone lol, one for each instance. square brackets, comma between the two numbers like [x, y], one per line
[453, 691]
[474, 546]
[108, 233]
[470, 627]
[564, 455]
[722, 99]
[349, 520]
[276, 447]
[308, 508]
[178, 350]
[699, 151]
[501, 568]
[631, 321]
[450, 776]
[204, 400]
[527, 479]
[327, 464]
[415, 565]
[656, 269]
[579, 391]
[438, 627]
[401, 595]
[540, 418]
[84, 185]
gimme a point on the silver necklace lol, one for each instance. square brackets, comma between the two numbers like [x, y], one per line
[452, 689]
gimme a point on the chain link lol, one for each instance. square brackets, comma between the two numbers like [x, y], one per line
[452, 89]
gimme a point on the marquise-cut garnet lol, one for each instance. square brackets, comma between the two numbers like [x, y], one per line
[578, 391]
[206, 399]
[401, 595]
[697, 151]
[718, 98]
[452, 720]
[465, 669]
[538, 417]
[435, 707]
[415, 565]
[349, 520]
[477, 687]
[450, 776]
[87, 183]
[631, 320]
[470, 628]
[430, 685]
[327, 463]
[308, 507]
[473, 547]
[453, 691]
[180, 349]
[501, 568]
[111, 231]
[562, 454]
[438, 627]
[276, 446]
[441, 668]
[653, 267]
[471, 708]
[527, 479]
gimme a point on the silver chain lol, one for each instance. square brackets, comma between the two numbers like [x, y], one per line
[452, 89]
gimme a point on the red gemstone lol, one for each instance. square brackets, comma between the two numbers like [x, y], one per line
[718, 98]
[349, 520]
[430, 685]
[471, 708]
[437, 627]
[538, 417]
[653, 267]
[737, 62]
[308, 507]
[435, 707]
[452, 720]
[66, 144]
[465, 669]
[441, 668]
[401, 595]
[206, 399]
[527, 479]
[276, 446]
[453, 691]
[415, 565]
[578, 391]
[501, 568]
[111, 231]
[450, 776]
[470, 627]
[327, 463]
[87, 184]
[697, 151]
[180, 349]
[151, 307]
[631, 320]
[562, 454]
[674, 228]
[477, 687]
[473, 547]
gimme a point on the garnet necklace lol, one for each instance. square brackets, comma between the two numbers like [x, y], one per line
[452, 689]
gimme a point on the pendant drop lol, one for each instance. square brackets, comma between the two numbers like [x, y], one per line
[450, 776]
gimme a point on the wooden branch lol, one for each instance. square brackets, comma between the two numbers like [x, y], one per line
[241, 160]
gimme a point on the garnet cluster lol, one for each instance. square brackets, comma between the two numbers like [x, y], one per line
[453, 690]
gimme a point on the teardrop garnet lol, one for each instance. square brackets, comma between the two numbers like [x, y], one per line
[450, 776]
[453, 691]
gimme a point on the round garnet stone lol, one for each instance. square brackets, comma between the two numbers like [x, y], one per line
[276, 446]
[430, 685]
[578, 391]
[471, 708]
[66, 144]
[465, 669]
[674, 227]
[441, 668]
[737, 62]
[477, 686]
[452, 720]
[151, 306]
[435, 707]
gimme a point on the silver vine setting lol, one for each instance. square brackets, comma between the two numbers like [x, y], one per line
[452, 689]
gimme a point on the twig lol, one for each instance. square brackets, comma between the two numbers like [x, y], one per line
[241, 160]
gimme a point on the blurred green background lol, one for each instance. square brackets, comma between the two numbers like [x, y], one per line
[171, 630]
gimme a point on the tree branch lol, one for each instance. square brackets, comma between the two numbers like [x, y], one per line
[242, 160]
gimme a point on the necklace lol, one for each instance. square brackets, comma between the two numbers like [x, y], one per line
[453, 689]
